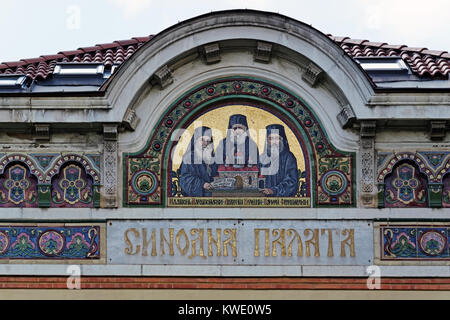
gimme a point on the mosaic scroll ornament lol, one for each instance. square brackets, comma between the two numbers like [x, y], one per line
[52, 242]
[322, 154]
[416, 243]
[18, 188]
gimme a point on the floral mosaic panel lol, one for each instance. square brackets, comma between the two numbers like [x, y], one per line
[72, 187]
[18, 187]
[405, 188]
[408, 242]
[49, 180]
[50, 242]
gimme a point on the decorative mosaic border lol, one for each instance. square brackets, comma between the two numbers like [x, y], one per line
[434, 164]
[52, 243]
[327, 162]
[417, 243]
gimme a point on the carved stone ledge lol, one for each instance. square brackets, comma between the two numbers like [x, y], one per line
[212, 53]
[110, 132]
[368, 129]
[42, 132]
[346, 117]
[163, 77]
[312, 74]
[131, 120]
[263, 52]
[437, 129]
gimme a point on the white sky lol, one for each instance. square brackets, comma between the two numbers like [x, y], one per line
[32, 28]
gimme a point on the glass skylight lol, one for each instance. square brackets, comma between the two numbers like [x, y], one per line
[12, 80]
[78, 69]
[383, 64]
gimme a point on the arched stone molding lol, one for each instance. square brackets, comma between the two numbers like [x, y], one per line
[131, 80]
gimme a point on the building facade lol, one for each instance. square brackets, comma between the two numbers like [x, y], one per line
[99, 171]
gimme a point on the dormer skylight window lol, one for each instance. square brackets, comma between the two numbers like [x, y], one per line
[13, 81]
[383, 64]
[79, 69]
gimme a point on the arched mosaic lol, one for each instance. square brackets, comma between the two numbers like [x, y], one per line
[405, 187]
[431, 166]
[18, 187]
[26, 180]
[262, 115]
[72, 187]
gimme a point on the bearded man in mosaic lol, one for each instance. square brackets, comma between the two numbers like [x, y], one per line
[198, 167]
[278, 164]
[237, 149]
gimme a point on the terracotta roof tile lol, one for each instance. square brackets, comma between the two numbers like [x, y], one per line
[374, 44]
[394, 46]
[126, 42]
[108, 45]
[423, 62]
[337, 39]
[142, 39]
[13, 64]
[354, 41]
[90, 49]
[71, 52]
[434, 52]
[33, 60]
[52, 56]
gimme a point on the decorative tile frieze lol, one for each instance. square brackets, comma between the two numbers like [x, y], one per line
[419, 242]
[83, 243]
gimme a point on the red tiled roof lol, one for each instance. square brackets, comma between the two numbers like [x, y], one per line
[109, 54]
[423, 62]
